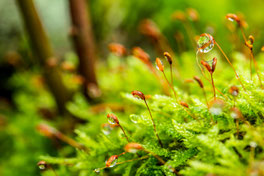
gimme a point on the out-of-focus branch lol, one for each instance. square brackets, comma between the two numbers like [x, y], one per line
[83, 41]
[43, 50]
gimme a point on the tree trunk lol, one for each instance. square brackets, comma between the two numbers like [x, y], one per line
[83, 41]
[43, 50]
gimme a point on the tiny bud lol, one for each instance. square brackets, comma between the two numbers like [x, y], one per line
[184, 104]
[46, 130]
[149, 28]
[133, 147]
[111, 162]
[249, 42]
[168, 57]
[159, 65]
[234, 91]
[52, 62]
[67, 66]
[214, 64]
[199, 81]
[193, 14]
[138, 94]
[140, 54]
[42, 165]
[233, 17]
[112, 119]
[206, 65]
[178, 15]
[262, 48]
[117, 49]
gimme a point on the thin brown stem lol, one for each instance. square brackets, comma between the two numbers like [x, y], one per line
[174, 92]
[68, 140]
[256, 67]
[213, 85]
[124, 133]
[171, 74]
[230, 65]
[154, 125]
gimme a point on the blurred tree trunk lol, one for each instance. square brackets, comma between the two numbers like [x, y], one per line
[82, 35]
[43, 50]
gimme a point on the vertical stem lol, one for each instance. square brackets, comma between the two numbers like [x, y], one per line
[43, 50]
[154, 125]
[174, 92]
[213, 84]
[124, 133]
[230, 65]
[171, 74]
[83, 41]
[256, 67]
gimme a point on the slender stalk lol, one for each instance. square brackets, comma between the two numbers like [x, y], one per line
[154, 125]
[230, 65]
[256, 67]
[68, 140]
[124, 133]
[83, 41]
[171, 74]
[174, 92]
[43, 50]
[213, 85]
[252, 58]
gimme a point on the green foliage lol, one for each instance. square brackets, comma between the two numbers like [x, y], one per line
[192, 147]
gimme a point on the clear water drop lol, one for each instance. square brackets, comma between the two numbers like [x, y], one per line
[157, 66]
[42, 166]
[107, 128]
[205, 43]
[134, 118]
[97, 170]
[111, 120]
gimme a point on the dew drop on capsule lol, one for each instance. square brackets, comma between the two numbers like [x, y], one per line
[106, 129]
[97, 170]
[205, 43]
[158, 66]
[42, 166]
[111, 120]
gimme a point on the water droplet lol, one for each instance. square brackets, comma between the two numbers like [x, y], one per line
[111, 121]
[253, 144]
[230, 19]
[216, 106]
[107, 128]
[134, 118]
[97, 170]
[111, 162]
[205, 43]
[42, 166]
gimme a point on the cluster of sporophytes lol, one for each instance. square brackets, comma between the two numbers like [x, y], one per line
[189, 130]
